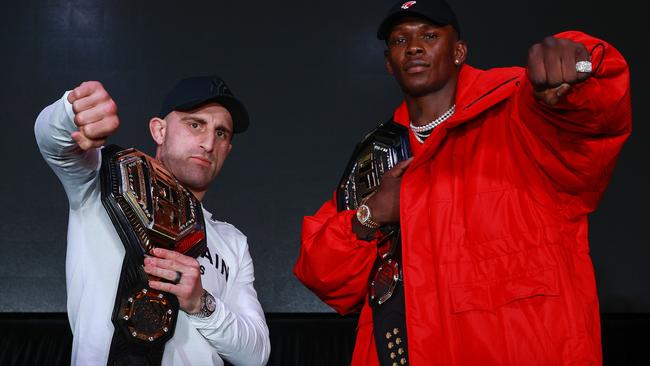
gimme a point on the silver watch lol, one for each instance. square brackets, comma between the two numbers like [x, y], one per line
[208, 306]
[365, 217]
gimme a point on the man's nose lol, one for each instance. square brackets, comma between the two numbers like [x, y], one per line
[207, 141]
[414, 48]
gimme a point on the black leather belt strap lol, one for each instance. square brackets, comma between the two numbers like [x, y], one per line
[389, 320]
[148, 208]
[378, 152]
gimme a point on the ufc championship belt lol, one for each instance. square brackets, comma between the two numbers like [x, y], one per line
[377, 153]
[149, 209]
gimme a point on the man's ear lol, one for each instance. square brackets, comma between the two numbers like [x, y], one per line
[460, 52]
[158, 130]
[389, 67]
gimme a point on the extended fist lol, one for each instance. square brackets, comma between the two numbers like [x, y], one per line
[95, 114]
[552, 67]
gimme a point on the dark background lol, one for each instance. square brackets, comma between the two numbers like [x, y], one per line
[312, 76]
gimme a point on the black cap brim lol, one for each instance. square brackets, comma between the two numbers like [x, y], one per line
[193, 92]
[238, 113]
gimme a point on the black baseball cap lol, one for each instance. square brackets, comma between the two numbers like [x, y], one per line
[435, 11]
[193, 92]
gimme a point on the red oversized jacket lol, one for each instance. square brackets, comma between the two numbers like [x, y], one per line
[493, 213]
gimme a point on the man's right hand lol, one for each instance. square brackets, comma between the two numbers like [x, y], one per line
[384, 204]
[95, 114]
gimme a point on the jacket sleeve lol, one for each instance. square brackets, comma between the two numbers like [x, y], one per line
[333, 263]
[576, 142]
[76, 169]
[237, 328]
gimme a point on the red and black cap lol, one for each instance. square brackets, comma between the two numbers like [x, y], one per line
[435, 11]
[193, 92]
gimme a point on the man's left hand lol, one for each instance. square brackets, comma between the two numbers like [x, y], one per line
[552, 67]
[165, 264]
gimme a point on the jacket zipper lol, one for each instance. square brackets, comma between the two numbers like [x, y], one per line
[490, 92]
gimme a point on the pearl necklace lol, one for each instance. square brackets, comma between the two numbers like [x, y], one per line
[422, 132]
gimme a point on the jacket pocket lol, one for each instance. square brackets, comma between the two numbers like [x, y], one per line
[490, 295]
[494, 283]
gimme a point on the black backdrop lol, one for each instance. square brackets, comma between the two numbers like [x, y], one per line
[312, 76]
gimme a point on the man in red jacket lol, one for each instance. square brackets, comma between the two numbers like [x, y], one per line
[507, 164]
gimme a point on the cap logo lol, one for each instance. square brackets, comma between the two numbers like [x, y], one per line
[218, 87]
[408, 4]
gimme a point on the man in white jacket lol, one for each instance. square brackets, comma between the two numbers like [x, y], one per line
[221, 317]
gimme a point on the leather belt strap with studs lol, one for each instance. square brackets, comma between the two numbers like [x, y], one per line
[386, 298]
[149, 208]
[378, 152]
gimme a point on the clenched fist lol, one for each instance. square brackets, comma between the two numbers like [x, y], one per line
[552, 67]
[95, 114]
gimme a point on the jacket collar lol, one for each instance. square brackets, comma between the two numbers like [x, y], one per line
[477, 91]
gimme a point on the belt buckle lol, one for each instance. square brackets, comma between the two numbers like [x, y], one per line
[385, 281]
